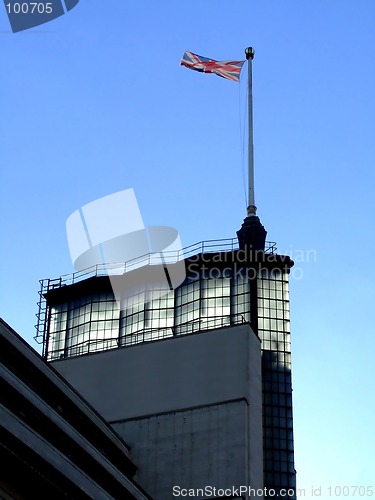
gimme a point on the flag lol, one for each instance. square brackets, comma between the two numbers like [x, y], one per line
[225, 69]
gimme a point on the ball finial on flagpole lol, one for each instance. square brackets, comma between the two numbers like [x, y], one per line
[249, 52]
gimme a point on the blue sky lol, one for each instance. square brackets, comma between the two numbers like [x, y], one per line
[96, 102]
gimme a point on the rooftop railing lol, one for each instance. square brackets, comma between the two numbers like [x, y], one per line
[209, 246]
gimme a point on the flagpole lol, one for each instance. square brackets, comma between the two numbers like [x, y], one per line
[252, 235]
[251, 209]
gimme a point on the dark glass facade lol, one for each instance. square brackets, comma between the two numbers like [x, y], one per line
[274, 332]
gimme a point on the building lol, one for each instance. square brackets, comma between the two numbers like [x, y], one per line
[196, 379]
[53, 444]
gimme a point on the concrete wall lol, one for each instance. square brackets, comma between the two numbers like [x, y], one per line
[192, 448]
[190, 407]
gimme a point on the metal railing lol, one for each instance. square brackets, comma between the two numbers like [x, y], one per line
[90, 346]
[209, 246]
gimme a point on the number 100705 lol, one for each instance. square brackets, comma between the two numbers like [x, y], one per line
[29, 8]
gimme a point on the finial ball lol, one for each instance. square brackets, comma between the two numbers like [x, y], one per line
[249, 52]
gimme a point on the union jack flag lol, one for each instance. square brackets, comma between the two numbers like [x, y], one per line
[225, 69]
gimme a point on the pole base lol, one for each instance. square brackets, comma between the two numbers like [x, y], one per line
[251, 210]
[252, 234]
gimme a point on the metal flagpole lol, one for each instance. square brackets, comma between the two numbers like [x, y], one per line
[252, 235]
[251, 209]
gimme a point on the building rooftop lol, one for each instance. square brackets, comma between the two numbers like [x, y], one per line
[103, 270]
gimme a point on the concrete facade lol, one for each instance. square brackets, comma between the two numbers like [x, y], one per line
[190, 407]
